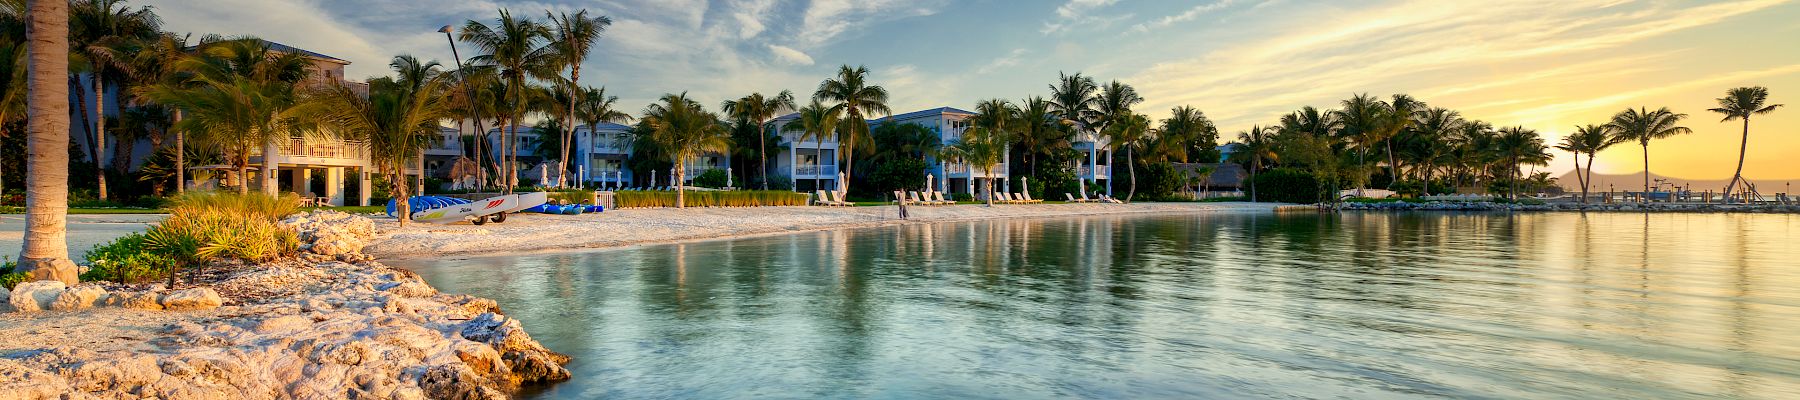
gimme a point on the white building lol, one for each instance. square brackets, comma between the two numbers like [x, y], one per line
[1096, 159]
[953, 176]
[808, 165]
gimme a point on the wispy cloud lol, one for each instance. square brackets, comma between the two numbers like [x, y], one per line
[1009, 60]
[1187, 15]
[1068, 13]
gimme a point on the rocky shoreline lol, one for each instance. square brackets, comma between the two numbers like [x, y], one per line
[1604, 207]
[330, 323]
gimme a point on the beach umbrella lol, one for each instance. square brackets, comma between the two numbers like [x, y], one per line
[929, 179]
[727, 176]
[843, 186]
[1023, 186]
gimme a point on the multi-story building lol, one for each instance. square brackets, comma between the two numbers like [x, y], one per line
[807, 163]
[602, 152]
[1096, 159]
[318, 167]
[953, 176]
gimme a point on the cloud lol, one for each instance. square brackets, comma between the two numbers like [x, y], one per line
[1067, 13]
[790, 56]
[1188, 15]
[1010, 59]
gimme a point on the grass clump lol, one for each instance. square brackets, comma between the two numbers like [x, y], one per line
[731, 198]
[201, 228]
[8, 278]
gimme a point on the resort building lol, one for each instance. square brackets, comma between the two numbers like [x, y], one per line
[953, 176]
[601, 154]
[808, 165]
[1096, 158]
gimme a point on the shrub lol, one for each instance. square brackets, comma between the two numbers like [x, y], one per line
[712, 178]
[127, 259]
[781, 182]
[571, 196]
[1286, 185]
[8, 278]
[731, 198]
[962, 197]
[256, 205]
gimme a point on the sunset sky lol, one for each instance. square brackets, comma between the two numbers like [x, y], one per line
[1545, 65]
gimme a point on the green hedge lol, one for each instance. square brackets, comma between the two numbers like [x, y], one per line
[1286, 185]
[732, 198]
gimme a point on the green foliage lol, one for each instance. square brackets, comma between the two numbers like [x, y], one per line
[1287, 185]
[712, 178]
[896, 174]
[127, 259]
[1158, 180]
[1416, 187]
[962, 197]
[254, 205]
[8, 278]
[571, 196]
[730, 198]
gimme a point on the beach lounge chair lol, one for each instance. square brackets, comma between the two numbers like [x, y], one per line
[921, 198]
[1027, 197]
[838, 199]
[939, 196]
[823, 198]
[1013, 198]
[1085, 199]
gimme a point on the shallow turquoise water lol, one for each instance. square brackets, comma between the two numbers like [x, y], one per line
[1557, 305]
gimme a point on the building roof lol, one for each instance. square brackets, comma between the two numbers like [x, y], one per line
[309, 53]
[1225, 175]
[921, 113]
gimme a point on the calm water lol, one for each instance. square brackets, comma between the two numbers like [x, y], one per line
[1191, 306]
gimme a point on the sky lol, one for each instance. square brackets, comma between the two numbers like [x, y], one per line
[1544, 65]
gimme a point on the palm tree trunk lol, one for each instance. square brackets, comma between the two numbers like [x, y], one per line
[1646, 196]
[45, 254]
[1580, 179]
[818, 160]
[1743, 146]
[1589, 177]
[99, 132]
[1393, 167]
[575, 97]
[87, 126]
[1132, 167]
[243, 177]
[762, 155]
[680, 176]
[180, 158]
[1255, 164]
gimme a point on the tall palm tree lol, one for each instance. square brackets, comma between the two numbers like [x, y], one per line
[1519, 145]
[1397, 118]
[1741, 103]
[1592, 139]
[1258, 144]
[817, 122]
[573, 37]
[1574, 146]
[238, 95]
[1128, 131]
[1642, 125]
[1311, 121]
[1038, 131]
[759, 109]
[154, 62]
[1431, 136]
[1112, 105]
[1362, 119]
[397, 121]
[597, 107]
[1189, 127]
[516, 48]
[685, 129]
[45, 255]
[98, 28]
[983, 144]
[858, 101]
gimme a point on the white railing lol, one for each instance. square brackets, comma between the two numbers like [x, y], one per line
[1103, 170]
[956, 169]
[338, 149]
[815, 170]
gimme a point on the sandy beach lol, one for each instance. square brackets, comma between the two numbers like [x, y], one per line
[527, 233]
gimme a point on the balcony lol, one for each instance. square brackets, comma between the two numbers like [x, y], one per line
[812, 170]
[1098, 172]
[318, 152]
[961, 170]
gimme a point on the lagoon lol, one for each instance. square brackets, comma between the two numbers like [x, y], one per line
[1203, 305]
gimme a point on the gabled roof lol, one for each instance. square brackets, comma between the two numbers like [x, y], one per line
[309, 53]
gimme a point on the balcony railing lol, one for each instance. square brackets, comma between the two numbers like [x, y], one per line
[970, 170]
[815, 170]
[1103, 170]
[336, 149]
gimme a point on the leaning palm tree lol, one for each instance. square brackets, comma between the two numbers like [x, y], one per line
[516, 48]
[858, 101]
[685, 129]
[1258, 144]
[817, 122]
[397, 122]
[1642, 125]
[1590, 140]
[45, 255]
[1128, 131]
[759, 109]
[573, 37]
[1741, 103]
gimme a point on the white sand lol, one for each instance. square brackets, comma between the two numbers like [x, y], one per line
[525, 233]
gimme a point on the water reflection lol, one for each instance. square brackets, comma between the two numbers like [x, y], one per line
[1353, 305]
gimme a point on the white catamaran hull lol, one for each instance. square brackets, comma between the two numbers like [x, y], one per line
[462, 212]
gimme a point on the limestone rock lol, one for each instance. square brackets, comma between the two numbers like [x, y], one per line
[80, 297]
[144, 300]
[192, 299]
[331, 233]
[56, 269]
[35, 295]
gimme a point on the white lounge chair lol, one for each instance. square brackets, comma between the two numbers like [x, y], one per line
[823, 198]
[1027, 197]
[838, 199]
[939, 196]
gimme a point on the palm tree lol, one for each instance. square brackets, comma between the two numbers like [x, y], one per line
[98, 29]
[1362, 121]
[1128, 131]
[759, 109]
[1112, 105]
[515, 47]
[1189, 127]
[684, 128]
[816, 122]
[45, 255]
[237, 95]
[597, 107]
[1397, 118]
[1519, 145]
[154, 62]
[1038, 131]
[1258, 144]
[1430, 136]
[858, 101]
[573, 38]
[1643, 125]
[983, 144]
[397, 121]
[1741, 103]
